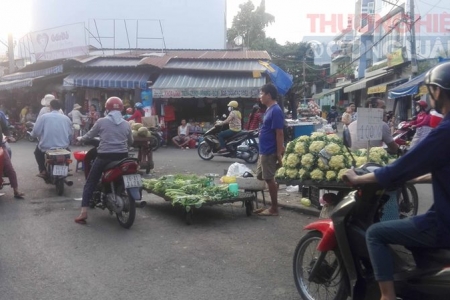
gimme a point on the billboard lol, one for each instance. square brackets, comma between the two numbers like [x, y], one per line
[60, 42]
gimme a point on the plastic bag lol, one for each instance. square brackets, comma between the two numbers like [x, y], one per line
[237, 169]
[292, 188]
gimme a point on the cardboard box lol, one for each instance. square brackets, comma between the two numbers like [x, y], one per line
[151, 121]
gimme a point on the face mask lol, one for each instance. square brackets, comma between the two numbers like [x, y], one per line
[417, 108]
[230, 109]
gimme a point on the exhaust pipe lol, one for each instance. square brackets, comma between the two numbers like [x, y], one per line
[140, 204]
[68, 182]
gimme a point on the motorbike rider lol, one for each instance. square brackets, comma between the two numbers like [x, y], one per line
[422, 123]
[432, 229]
[54, 130]
[8, 168]
[234, 121]
[138, 113]
[115, 137]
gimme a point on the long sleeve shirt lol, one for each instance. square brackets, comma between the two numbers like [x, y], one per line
[137, 116]
[76, 116]
[54, 130]
[429, 156]
[423, 119]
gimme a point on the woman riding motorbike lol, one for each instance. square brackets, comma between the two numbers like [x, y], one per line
[234, 121]
[138, 113]
[422, 123]
[432, 229]
[115, 137]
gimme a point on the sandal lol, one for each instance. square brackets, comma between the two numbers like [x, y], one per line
[267, 213]
[259, 210]
[18, 195]
[81, 219]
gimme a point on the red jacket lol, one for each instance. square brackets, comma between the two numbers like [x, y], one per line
[137, 116]
[423, 119]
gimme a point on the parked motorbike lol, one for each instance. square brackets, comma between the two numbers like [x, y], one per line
[29, 128]
[404, 133]
[158, 137]
[332, 261]
[18, 131]
[57, 163]
[242, 145]
[119, 187]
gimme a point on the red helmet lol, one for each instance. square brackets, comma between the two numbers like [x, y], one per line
[423, 104]
[129, 110]
[114, 103]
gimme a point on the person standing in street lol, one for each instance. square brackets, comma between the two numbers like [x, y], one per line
[77, 121]
[271, 146]
[254, 119]
[349, 115]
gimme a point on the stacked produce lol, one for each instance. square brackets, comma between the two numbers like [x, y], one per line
[187, 190]
[302, 161]
[139, 130]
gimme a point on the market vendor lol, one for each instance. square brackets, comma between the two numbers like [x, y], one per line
[182, 139]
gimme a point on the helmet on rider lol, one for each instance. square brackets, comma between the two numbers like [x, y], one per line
[129, 110]
[233, 104]
[138, 105]
[439, 76]
[114, 103]
[422, 104]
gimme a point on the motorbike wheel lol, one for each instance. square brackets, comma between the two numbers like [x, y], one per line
[154, 142]
[205, 151]
[331, 280]
[30, 138]
[254, 154]
[408, 201]
[127, 215]
[59, 186]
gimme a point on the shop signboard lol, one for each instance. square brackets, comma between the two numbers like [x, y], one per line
[370, 124]
[377, 89]
[395, 58]
[206, 93]
[60, 42]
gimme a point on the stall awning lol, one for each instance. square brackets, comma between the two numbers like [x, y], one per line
[362, 83]
[409, 88]
[323, 94]
[15, 84]
[176, 85]
[33, 74]
[382, 88]
[111, 79]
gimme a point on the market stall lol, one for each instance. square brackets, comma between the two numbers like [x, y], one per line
[192, 192]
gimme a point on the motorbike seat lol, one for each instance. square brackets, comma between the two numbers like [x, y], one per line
[240, 133]
[425, 257]
[115, 163]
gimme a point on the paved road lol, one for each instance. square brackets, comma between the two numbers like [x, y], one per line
[223, 255]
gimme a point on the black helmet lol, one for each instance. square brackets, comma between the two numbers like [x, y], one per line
[439, 76]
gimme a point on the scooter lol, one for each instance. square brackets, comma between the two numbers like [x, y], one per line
[119, 187]
[242, 145]
[404, 133]
[332, 262]
[57, 163]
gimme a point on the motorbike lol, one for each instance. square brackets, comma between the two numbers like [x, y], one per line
[18, 131]
[57, 163]
[119, 188]
[158, 137]
[242, 145]
[332, 261]
[29, 128]
[404, 133]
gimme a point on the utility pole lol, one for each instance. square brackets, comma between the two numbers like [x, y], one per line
[414, 68]
[12, 65]
[304, 80]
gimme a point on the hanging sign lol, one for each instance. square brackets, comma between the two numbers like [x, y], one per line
[370, 124]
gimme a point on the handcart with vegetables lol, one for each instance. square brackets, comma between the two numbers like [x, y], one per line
[144, 141]
[192, 192]
[317, 162]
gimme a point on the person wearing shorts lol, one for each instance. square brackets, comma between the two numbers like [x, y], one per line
[182, 139]
[271, 146]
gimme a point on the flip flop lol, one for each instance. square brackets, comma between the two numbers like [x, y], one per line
[267, 213]
[19, 195]
[259, 210]
[80, 220]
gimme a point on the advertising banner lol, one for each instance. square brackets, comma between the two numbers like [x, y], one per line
[60, 42]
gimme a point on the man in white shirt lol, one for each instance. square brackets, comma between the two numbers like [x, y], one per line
[386, 132]
[54, 130]
[45, 102]
[182, 139]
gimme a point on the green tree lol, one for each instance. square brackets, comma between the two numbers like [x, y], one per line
[250, 23]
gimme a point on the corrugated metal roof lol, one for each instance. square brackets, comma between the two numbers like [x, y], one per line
[32, 74]
[215, 65]
[16, 84]
[175, 85]
[108, 62]
[109, 79]
[201, 54]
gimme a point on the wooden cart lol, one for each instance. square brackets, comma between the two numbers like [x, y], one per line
[145, 153]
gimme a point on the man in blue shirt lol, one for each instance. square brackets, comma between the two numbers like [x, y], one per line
[431, 229]
[54, 130]
[271, 145]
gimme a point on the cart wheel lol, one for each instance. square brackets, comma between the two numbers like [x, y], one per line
[189, 217]
[248, 208]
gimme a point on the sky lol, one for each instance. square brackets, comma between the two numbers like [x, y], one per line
[294, 18]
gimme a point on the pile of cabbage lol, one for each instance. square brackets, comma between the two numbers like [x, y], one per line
[302, 162]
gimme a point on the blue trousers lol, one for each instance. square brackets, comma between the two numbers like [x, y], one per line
[398, 232]
[223, 135]
[95, 174]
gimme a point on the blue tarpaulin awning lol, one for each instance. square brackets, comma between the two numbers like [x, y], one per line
[282, 80]
[408, 88]
[111, 79]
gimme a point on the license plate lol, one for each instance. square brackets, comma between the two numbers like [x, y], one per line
[131, 181]
[60, 170]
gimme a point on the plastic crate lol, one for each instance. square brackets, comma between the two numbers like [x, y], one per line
[250, 183]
